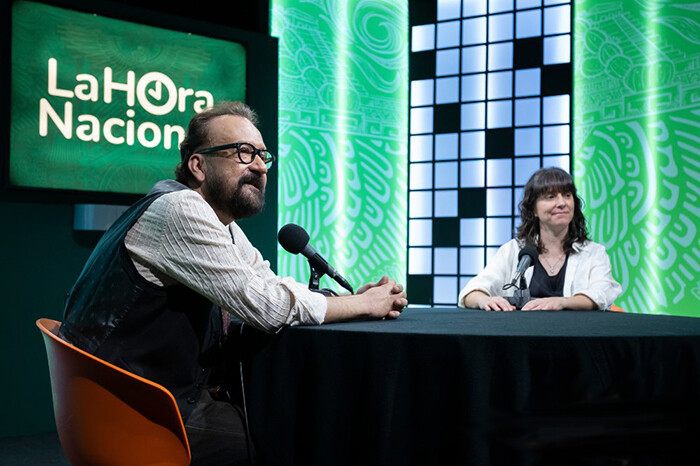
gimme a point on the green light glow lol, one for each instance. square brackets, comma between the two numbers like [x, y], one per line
[343, 133]
[636, 152]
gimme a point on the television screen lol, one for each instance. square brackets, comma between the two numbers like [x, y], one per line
[101, 104]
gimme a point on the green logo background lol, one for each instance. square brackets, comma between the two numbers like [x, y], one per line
[85, 43]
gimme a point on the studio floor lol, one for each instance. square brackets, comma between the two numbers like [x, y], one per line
[35, 450]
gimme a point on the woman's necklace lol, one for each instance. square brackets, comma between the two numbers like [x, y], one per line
[552, 267]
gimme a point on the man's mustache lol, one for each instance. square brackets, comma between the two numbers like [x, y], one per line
[252, 179]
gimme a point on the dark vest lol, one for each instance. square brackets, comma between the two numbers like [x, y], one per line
[169, 335]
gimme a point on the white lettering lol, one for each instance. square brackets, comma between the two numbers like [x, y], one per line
[160, 80]
[141, 136]
[53, 86]
[127, 87]
[169, 131]
[65, 126]
[88, 132]
[207, 101]
[89, 90]
[182, 98]
[107, 130]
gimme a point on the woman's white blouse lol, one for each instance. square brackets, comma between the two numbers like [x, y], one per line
[588, 272]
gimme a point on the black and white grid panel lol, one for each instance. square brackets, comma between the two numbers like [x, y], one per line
[490, 98]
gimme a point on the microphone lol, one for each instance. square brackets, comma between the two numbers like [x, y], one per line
[526, 257]
[295, 239]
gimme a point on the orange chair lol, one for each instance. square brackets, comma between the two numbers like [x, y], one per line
[615, 308]
[108, 416]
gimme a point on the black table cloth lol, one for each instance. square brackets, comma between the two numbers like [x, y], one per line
[456, 386]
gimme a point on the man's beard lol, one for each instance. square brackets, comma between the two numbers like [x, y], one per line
[238, 202]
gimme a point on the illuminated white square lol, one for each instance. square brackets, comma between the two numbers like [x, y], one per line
[448, 9]
[555, 2]
[501, 27]
[473, 87]
[473, 145]
[499, 114]
[560, 161]
[445, 290]
[498, 231]
[500, 85]
[472, 174]
[500, 56]
[527, 82]
[420, 232]
[448, 34]
[518, 196]
[528, 24]
[447, 62]
[445, 203]
[445, 261]
[474, 59]
[499, 201]
[446, 175]
[420, 204]
[421, 92]
[555, 109]
[527, 112]
[527, 141]
[473, 7]
[471, 260]
[446, 146]
[447, 90]
[421, 120]
[522, 4]
[499, 172]
[423, 38]
[473, 116]
[557, 49]
[421, 176]
[557, 20]
[421, 148]
[555, 139]
[490, 252]
[471, 231]
[474, 31]
[420, 261]
[524, 168]
[499, 6]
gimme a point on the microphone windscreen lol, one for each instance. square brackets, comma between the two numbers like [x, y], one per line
[528, 250]
[293, 238]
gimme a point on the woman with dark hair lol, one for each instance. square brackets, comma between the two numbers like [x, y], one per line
[570, 271]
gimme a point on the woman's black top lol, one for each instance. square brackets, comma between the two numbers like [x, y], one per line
[544, 286]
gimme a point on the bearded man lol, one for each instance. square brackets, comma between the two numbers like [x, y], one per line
[156, 295]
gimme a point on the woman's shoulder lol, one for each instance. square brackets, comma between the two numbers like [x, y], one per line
[589, 247]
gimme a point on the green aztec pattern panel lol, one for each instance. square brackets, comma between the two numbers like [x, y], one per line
[637, 145]
[343, 94]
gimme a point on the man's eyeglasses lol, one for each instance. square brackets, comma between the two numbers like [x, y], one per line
[246, 152]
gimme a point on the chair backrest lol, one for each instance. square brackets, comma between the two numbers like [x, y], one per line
[108, 416]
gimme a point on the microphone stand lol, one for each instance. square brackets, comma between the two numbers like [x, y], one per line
[522, 294]
[314, 280]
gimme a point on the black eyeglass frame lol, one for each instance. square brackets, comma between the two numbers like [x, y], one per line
[268, 161]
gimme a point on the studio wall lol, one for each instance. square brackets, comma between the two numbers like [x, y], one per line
[636, 145]
[343, 134]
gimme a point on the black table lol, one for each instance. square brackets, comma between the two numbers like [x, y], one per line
[456, 386]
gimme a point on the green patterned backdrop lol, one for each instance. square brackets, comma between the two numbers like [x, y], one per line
[343, 133]
[637, 145]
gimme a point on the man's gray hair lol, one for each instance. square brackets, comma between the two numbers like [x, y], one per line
[198, 133]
